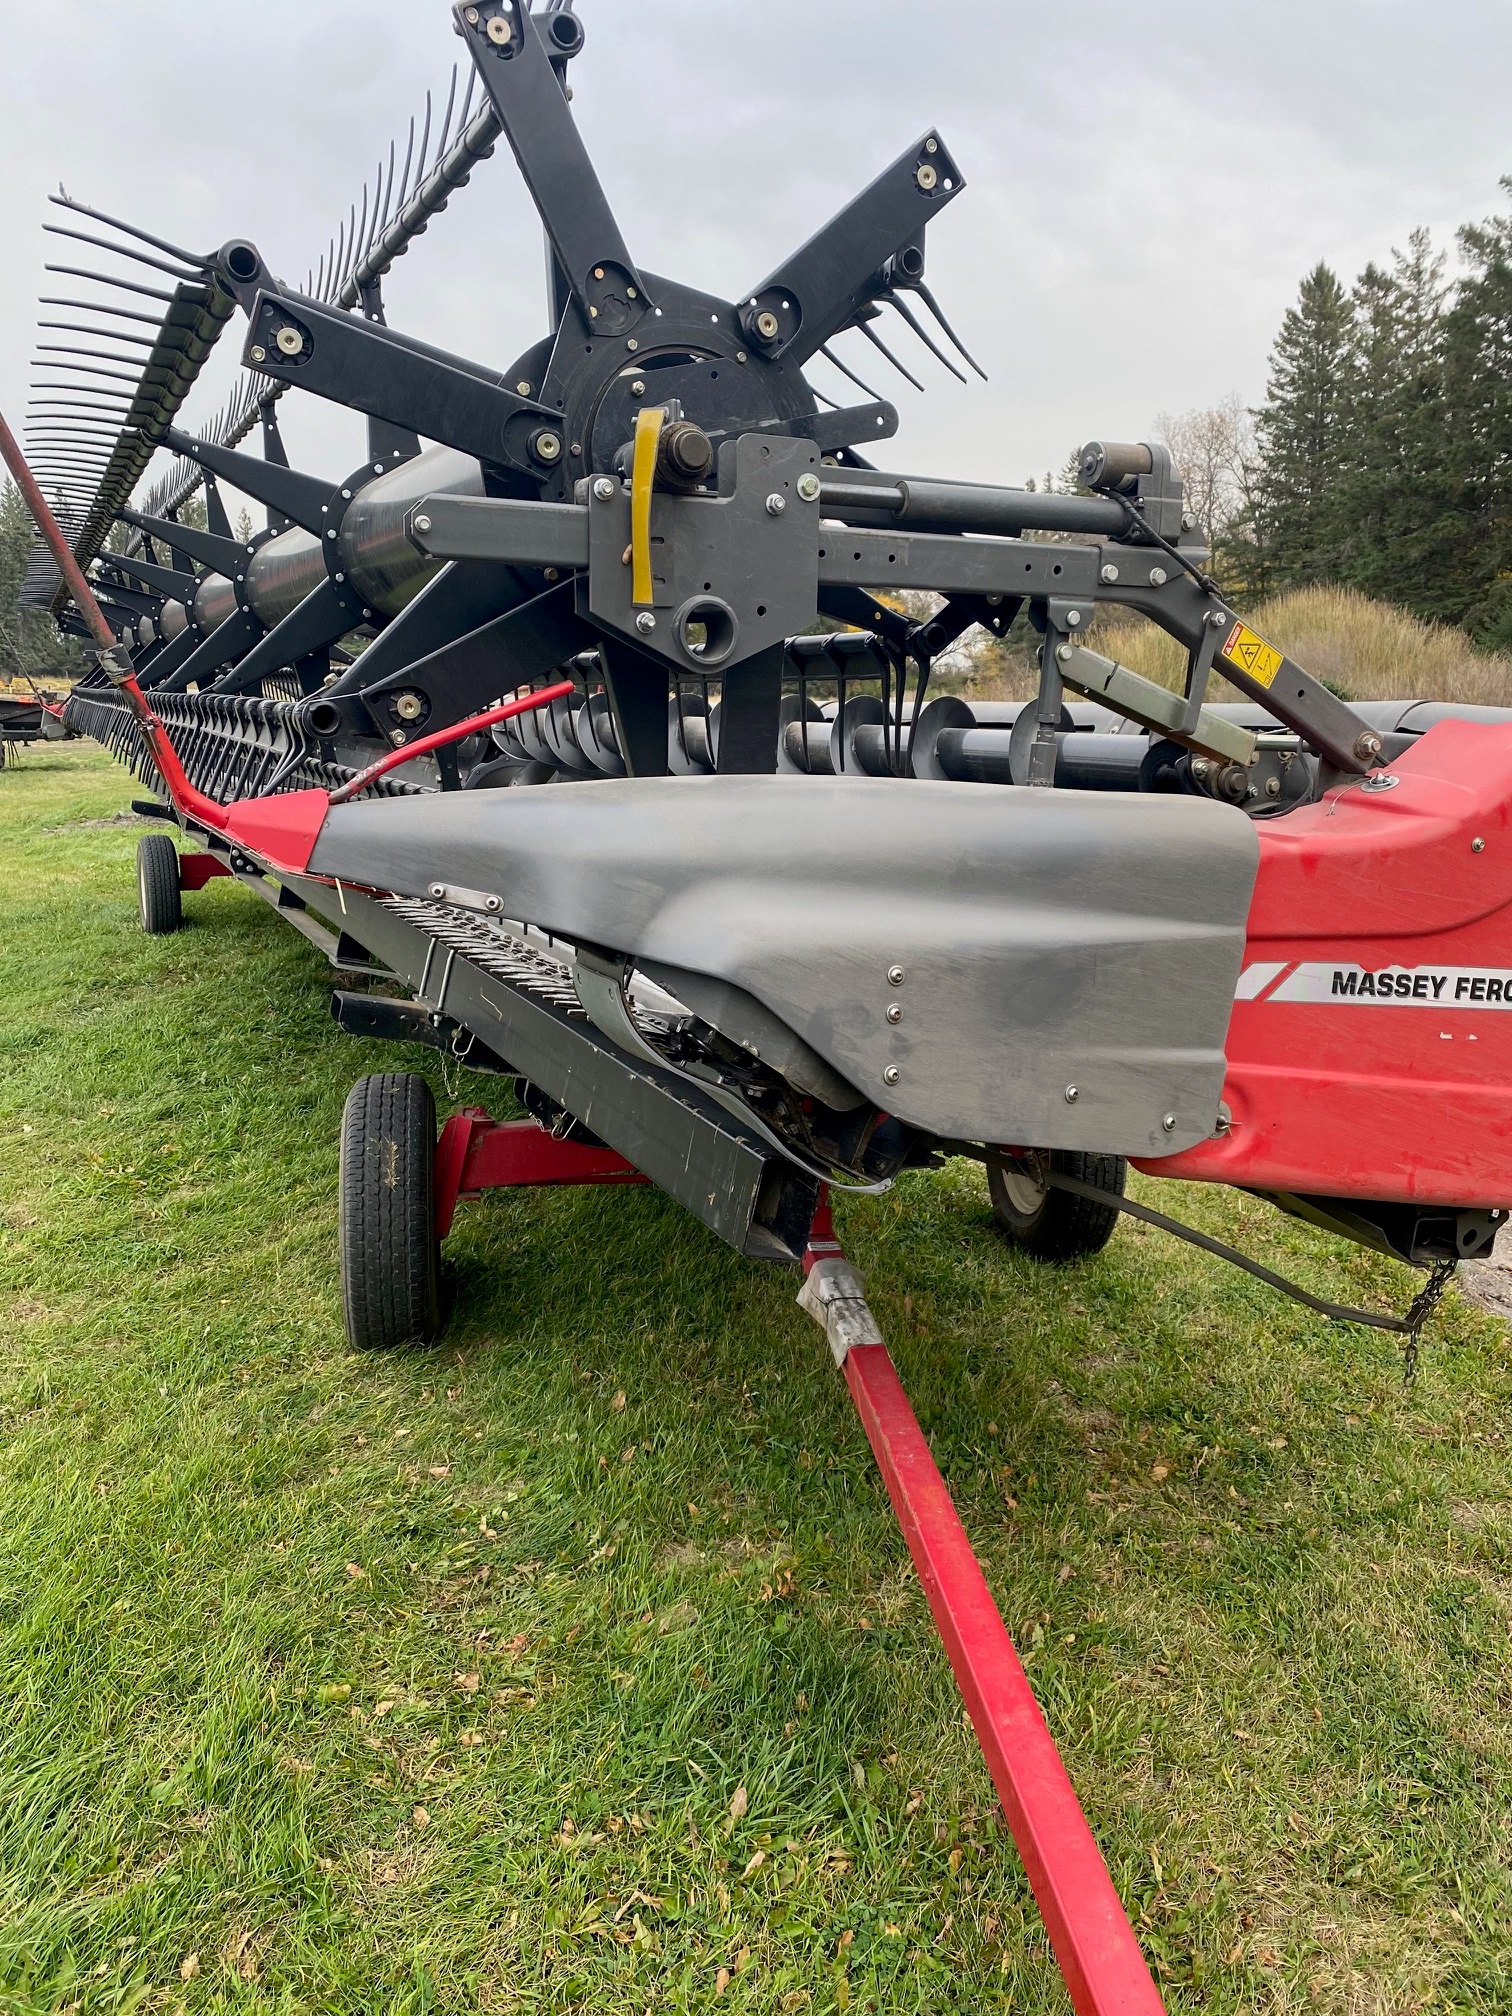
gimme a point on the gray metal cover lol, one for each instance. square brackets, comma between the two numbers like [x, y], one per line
[1048, 940]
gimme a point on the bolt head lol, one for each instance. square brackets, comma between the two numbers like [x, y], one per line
[1064, 653]
[289, 340]
[1189, 521]
[398, 738]
[931, 146]
[258, 354]
[422, 523]
[1073, 1092]
[547, 447]
[926, 175]
[604, 488]
[1367, 746]
[645, 622]
[1073, 619]
[631, 343]
[638, 388]
[767, 325]
[891, 1075]
[895, 1012]
[1169, 1123]
[1110, 573]
[1157, 577]
[499, 31]
[896, 976]
[409, 706]
[808, 487]
[776, 505]
[471, 18]
[1273, 787]
[522, 386]
[1477, 846]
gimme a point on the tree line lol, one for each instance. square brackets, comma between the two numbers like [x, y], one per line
[1381, 455]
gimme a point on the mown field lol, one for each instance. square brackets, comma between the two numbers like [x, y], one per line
[575, 1664]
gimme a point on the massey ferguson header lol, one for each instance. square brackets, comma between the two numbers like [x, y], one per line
[786, 920]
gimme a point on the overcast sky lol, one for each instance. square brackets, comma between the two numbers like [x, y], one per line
[1145, 185]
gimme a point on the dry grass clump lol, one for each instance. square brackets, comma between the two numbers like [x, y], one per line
[1366, 649]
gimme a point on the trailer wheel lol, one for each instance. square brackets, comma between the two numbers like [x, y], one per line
[1048, 1223]
[158, 895]
[390, 1257]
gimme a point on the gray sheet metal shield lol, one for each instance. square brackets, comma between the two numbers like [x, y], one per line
[1068, 960]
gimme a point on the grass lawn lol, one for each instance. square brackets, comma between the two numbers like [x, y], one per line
[576, 1663]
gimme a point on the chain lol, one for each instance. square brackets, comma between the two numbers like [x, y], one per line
[1425, 1302]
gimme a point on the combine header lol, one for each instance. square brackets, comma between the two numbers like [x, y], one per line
[786, 921]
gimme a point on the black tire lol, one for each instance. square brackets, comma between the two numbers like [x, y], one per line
[158, 896]
[1051, 1224]
[390, 1257]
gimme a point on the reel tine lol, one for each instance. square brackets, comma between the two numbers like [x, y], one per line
[109, 280]
[132, 230]
[897, 363]
[361, 239]
[424, 142]
[388, 194]
[124, 252]
[99, 308]
[78, 350]
[903, 309]
[409, 155]
[451, 99]
[111, 335]
[830, 358]
[927, 297]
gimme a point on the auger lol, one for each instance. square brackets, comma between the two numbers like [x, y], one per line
[789, 922]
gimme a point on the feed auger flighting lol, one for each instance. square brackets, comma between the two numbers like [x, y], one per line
[788, 922]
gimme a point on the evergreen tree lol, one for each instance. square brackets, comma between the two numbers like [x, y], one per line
[1398, 527]
[1300, 430]
[1478, 390]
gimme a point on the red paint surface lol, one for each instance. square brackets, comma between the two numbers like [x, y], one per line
[1371, 1098]
[475, 1154]
[1089, 1930]
[195, 870]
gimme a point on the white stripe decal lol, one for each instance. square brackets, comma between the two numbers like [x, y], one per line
[1254, 980]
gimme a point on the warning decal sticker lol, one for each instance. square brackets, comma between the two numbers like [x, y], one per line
[1251, 654]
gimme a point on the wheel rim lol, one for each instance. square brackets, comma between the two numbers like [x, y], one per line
[1023, 1192]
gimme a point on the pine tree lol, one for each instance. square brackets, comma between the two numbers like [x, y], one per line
[1478, 398]
[1395, 493]
[1300, 429]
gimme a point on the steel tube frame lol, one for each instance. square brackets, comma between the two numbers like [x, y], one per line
[1089, 1930]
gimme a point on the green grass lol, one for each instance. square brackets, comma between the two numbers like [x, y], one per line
[429, 1682]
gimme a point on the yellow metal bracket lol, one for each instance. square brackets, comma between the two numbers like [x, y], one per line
[648, 429]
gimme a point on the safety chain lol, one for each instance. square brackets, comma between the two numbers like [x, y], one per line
[1424, 1303]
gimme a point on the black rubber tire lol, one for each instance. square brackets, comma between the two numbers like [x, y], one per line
[1050, 1224]
[158, 896]
[390, 1257]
